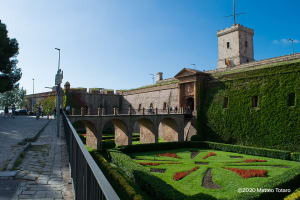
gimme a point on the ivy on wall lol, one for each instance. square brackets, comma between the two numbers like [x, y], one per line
[273, 124]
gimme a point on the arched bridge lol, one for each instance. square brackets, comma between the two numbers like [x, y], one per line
[168, 126]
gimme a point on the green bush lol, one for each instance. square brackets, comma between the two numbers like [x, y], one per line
[295, 156]
[153, 147]
[119, 183]
[108, 145]
[197, 138]
[285, 155]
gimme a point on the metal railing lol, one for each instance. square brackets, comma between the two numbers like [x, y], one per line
[142, 111]
[89, 181]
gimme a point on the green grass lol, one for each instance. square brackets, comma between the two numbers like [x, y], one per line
[228, 180]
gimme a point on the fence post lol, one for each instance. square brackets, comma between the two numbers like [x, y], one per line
[129, 110]
[73, 111]
[89, 111]
[168, 110]
[102, 111]
[143, 111]
[99, 111]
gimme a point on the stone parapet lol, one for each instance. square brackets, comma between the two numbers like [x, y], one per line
[233, 28]
[151, 89]
[258, 63]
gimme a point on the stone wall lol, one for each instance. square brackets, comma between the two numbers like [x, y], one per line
[156, 95]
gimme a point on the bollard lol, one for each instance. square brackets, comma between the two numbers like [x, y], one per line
[99, 111]
[143, 111]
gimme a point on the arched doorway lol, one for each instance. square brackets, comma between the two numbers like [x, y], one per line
[190, 104]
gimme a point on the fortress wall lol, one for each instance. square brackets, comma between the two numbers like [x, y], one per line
[155, 95]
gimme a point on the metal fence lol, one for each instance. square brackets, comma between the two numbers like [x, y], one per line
[88, 180]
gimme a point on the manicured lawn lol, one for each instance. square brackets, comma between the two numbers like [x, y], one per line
[227, 180]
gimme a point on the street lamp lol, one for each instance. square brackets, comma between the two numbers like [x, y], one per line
[152, 78]
[58, 81]
[292, 41]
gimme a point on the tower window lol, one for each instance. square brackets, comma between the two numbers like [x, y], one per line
[228, 45]
[254, 101]
[246, 44]
[291, 99]
[225, 105]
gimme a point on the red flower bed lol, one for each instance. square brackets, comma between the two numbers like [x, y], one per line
[83, 135]
[172, 155]
[209, 154]
[180, 175]
[248, 173]
[152, 164]
[254, 160]
[155, 164]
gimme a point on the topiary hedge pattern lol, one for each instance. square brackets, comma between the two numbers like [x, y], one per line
[273, 124]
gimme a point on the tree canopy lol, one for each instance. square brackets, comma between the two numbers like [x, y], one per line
[13, 97]
[9, 49]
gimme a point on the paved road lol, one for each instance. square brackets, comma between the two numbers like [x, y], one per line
[43, 172]
[13, 131]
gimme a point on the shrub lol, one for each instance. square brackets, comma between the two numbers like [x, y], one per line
[295, 156]
[119, 183]
[108, 145]
[196, 138]
[254, 160]
[281, 154]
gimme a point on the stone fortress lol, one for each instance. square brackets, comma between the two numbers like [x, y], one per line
[189, 90]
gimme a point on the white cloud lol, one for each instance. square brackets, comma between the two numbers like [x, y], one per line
[285, 41]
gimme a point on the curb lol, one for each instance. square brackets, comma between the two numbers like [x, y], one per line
[12, 163]
[27, 142]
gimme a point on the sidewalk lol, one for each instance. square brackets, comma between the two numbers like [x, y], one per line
[44, 170]
[13, 131]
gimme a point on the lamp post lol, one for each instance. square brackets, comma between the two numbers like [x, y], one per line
[152, 78]
[58, 81]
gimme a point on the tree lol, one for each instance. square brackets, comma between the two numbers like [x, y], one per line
[14, 96]
[9, 49]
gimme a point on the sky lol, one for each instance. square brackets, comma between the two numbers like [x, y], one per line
[117, 44]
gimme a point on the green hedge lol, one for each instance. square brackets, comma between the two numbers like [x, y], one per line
[117, 180]
[273, 124]
[152, 147]
[271, 153]
[295, 156]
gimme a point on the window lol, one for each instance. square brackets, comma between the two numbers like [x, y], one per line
[225, 105]
[291, 99]
[246, 44]
[165, 106]
[228, 45]
[140, 107]
[254, 101]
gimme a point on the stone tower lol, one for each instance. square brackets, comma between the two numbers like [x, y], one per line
[235, 46]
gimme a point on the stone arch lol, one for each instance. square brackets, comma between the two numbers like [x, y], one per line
[168, 130]
[92, 138]
[148, 133]
[122, 133]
